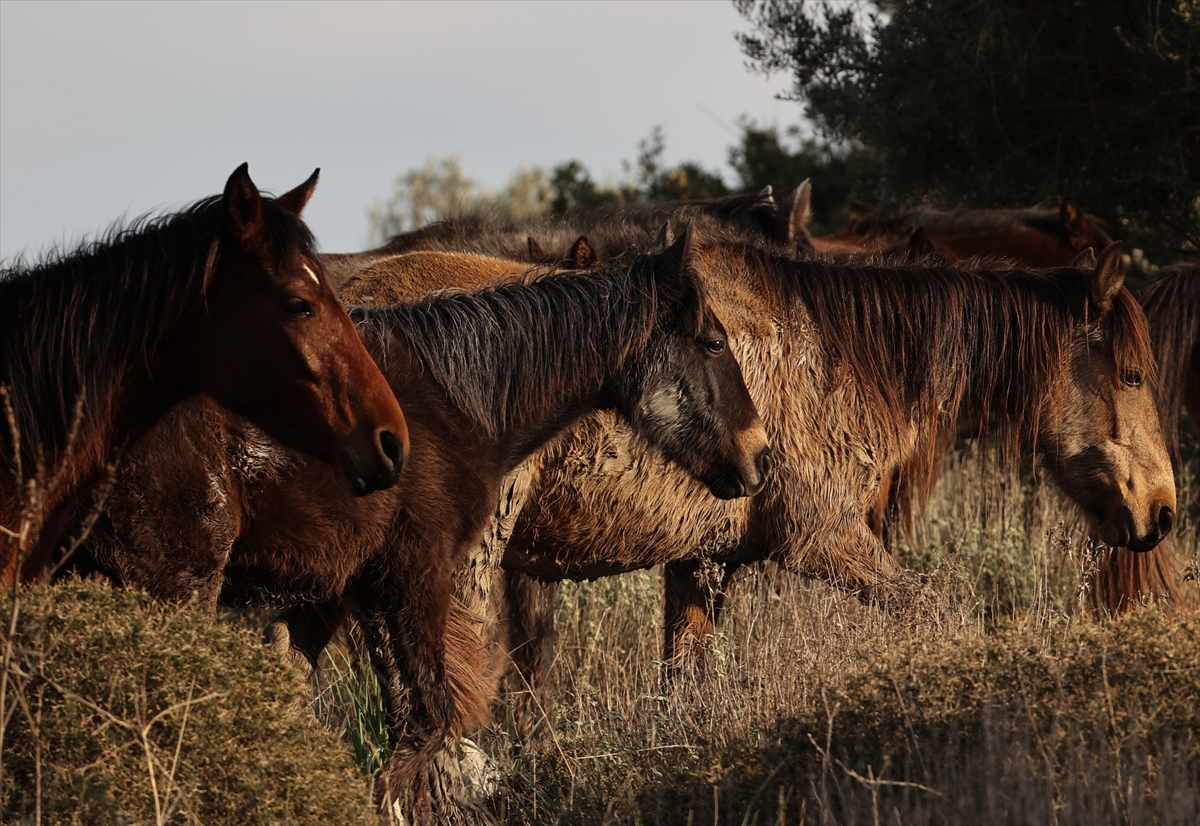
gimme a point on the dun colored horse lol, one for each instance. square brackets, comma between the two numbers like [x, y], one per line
[854, 370]
[616, 234]
[226, 298]
[487, 377]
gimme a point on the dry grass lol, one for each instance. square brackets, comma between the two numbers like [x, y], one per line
[1021, 706]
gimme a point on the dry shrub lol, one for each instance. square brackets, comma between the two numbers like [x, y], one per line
[121, 710]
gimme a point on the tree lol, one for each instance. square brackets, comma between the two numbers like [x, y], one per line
[838, 173]
[1006, 102]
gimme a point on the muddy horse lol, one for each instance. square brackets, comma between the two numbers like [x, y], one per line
[208, 507]
[225, 298]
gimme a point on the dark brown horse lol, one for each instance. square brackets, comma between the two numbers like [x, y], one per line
[854, 370]
[225, 298]
[1033, 237]
[206, 507]
[616, 234]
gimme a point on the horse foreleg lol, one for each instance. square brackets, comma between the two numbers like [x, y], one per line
[693, 600]
[300, 634]
[529, 639]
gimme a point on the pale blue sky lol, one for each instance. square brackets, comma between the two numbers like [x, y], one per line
[112, 108]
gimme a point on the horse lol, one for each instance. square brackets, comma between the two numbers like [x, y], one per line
[855, 370]
[226, 298]
[1171, 300]
[886, 239]
[488, 377]
[1033, 236]
[616, 233]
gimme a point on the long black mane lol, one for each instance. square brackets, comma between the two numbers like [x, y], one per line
[74, 325]
[937, 342]
[1171, 300]
[507, 354]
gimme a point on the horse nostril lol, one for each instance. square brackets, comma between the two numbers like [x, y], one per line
[1166, 520]
[764, 464]
[392, 449]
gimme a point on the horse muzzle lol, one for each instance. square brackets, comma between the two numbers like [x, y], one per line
[375, 465]
[1123, 531]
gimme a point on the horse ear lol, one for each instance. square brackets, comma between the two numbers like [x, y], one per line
[1086, 260]
[1108, 277]
[765, 194]
[536, 253]
[243, 207]
[664, 240]
[799, 213]
[919, 244]
[582, 256]
[673, 257]
[1075, 222]
[295, 201]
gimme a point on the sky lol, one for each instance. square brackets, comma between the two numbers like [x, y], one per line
[117, 109]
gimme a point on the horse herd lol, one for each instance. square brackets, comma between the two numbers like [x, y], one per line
[700, 385]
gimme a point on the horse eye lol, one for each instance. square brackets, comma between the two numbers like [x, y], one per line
[1133, 378]
[296, 306]
[716, 346]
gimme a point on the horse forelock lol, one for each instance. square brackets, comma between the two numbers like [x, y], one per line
[510, 353]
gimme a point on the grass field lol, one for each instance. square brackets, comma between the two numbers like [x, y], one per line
[1012, 703]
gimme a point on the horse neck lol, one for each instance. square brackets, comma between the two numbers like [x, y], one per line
[522, 361]
[78, 341]
[1172, 305]
[943, 347]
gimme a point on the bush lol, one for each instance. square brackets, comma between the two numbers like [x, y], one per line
[122, 710]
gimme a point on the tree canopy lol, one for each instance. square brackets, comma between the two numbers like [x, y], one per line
[1006, 102]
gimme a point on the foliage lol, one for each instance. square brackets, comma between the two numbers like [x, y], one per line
[121, 710]
[838, 173]
[1005, 102]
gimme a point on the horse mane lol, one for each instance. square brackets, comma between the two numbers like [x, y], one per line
[1171, 300]
[939, 342]
[500, 351]
[618, 233]
[76, 324]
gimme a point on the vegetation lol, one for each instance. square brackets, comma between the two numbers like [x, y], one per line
[121, 710]
[1005, 102]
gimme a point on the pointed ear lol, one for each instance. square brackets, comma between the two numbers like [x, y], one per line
[799, 213]
[1086, 260]
[295, 200]
[764, 194]
[919, 244]
[582, 256]
[664, 240]
[243, 207]
[675, 254]
[1107, 278]
[536, 253]
[1075, 222]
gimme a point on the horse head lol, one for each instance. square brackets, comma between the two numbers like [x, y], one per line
[1101, 438]
[271, 341]
[688, 397]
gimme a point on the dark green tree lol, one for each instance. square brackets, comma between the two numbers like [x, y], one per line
[1006, 102]
[839, 174]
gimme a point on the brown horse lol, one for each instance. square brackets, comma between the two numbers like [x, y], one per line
[853, 369]
[886, 240]
[225, 298]
[1033, 237]
[616, 234]
[1171, 300]
[487, 377]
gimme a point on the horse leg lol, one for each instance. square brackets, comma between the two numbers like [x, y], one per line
[691, 607]
[299, 634]
[529, 640]
[406, 623]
